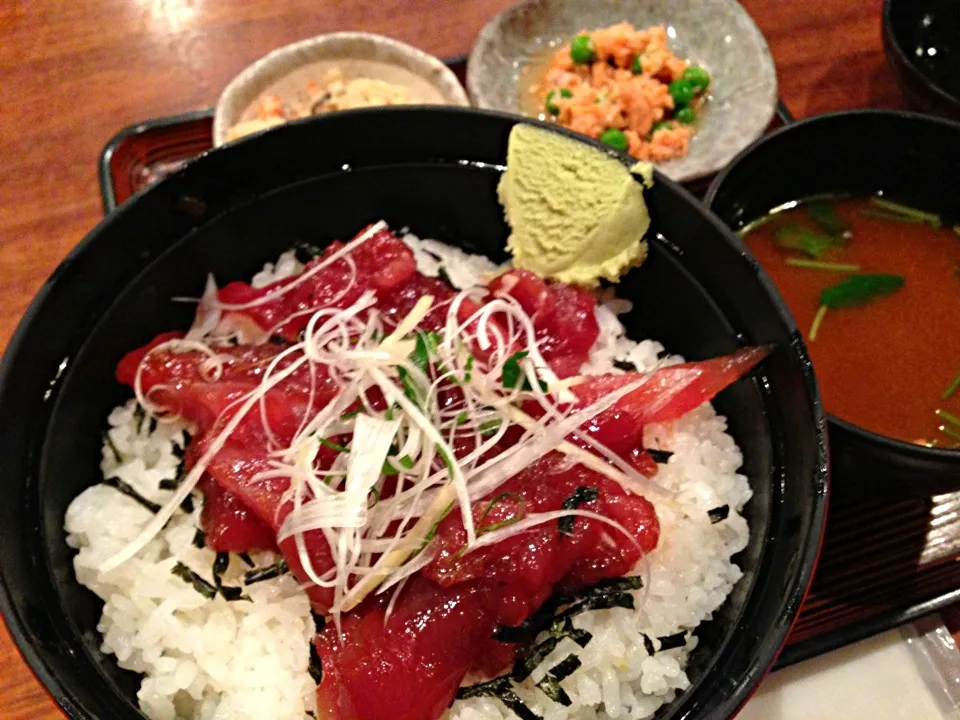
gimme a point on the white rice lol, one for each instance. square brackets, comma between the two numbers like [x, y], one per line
[218, 660]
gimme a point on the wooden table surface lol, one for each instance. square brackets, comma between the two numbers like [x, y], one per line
[73, 73]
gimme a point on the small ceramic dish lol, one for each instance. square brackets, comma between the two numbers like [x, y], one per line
[718, 35]
[287, 71]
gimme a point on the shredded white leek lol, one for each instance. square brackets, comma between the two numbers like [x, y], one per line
[425, 413]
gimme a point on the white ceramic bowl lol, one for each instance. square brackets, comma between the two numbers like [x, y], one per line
[718, 35]
[287, 70]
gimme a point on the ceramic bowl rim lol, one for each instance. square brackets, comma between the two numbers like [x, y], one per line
[765, 57]
[442, 77]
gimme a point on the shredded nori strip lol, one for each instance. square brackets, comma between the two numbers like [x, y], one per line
[509, 698]
[527, 663]
[580, 496]
[719, 514]
[246, 559]
[489, 688]
[443, 275]
[319, 622]
[668, 642]
[199, 539]
[671, 642]
[550, 683]
[199, 584]
[278, 340]
[187, 504]
[660, 456]
[220, 565]
[151, 428]
[625, 365]
[604, 594]
[108, 441]
[139, 414]
[306, 252]
[266, 573]
[180, 450]
[315, 668]
[648, 645]
[118, 484]
[174, 482]
[501, 689]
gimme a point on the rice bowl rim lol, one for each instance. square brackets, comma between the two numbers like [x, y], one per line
[30, 646]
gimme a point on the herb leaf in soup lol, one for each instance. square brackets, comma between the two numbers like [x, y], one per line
[859, 290]
[825, 216]
[797, 237]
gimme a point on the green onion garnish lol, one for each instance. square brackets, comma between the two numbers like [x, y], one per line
[906, 211]
[817, 320]
[951, 389]
[889, 216]
[333, 446]
[949, 432]
[949, 417]
[755, 223]
[821, 265]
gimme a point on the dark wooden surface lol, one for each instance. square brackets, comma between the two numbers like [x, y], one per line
[73, 73]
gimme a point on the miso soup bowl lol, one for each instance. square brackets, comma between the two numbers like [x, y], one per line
[911, 157]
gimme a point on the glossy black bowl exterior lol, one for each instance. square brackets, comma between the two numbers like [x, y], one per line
[913, 158]
[434, 170]
[901, 21]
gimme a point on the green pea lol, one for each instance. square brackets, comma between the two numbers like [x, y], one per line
[682, 92]
[698, 77]
[582, 49]
[637, 65]
[686, 115]
[552, 107]
[615, 139]
[662, 125]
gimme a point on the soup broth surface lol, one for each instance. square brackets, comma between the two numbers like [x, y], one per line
[884, 365]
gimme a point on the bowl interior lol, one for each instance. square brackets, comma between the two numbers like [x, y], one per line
[717, 34]
[287, 70]
[436, 172]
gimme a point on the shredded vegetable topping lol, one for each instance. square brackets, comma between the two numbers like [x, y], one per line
[415, 426]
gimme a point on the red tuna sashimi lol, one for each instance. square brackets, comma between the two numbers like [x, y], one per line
[411, 669]
[564, 317]
[407, 667]
[524, 568]
[672, 391]
[382, 263]
[229, 525]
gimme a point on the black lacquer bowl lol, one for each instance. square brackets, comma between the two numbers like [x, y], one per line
[922, 41]
[910, 157]
[434, 170]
